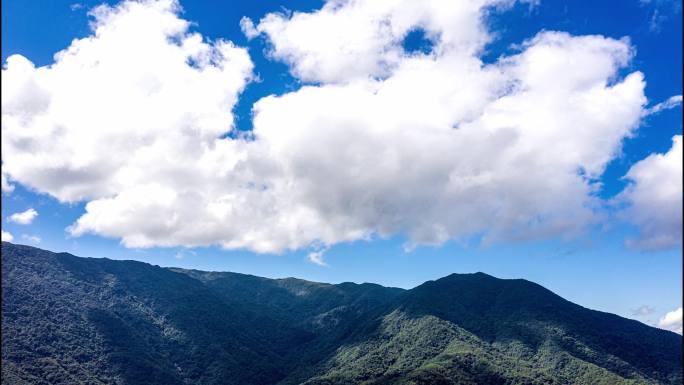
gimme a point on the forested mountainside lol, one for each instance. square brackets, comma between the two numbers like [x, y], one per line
[72, 320]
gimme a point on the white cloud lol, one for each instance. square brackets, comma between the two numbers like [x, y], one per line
[31, 238]
[671, 102]
[358, 39]
[435, 147]
[24, 217]
[446, 147]
[317, 254]
[654, 199]
[6, 236]
[672, 321]
[140, 97]
[316, 257]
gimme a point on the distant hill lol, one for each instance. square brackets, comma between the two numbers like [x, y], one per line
[71, 320]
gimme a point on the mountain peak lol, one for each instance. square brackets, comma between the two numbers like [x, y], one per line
[479, 275]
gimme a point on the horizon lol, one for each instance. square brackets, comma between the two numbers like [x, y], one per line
[331, 283]
[481, 273]
[348, 142]
[258, 276]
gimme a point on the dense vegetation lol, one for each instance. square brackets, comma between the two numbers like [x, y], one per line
[71, 320]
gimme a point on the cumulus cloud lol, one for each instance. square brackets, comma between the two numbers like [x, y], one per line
[6, 236]
[140, 93]
[672, 321]
[435, 146]
[358, 39]
[654, 199]
[24, 217]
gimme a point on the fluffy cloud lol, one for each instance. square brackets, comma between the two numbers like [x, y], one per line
[444, 146]
[672, 321]
[433, 146]
[140, 97]
[24, 217]
[357, 39]
[655, 199]
[6, 236]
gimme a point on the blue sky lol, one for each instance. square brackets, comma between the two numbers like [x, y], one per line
[594, 267]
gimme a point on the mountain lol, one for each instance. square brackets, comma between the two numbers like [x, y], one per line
[71, 320]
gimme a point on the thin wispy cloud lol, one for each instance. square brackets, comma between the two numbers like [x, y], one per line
[671, 102]
[31, 238]
[661, 12]
[183, 253]
[642, 311]
[317, 256]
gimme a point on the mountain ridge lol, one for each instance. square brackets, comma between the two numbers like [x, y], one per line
[68, 319]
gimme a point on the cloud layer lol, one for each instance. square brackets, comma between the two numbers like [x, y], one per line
[438, 146]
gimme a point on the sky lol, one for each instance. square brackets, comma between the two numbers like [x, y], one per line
[386, 141]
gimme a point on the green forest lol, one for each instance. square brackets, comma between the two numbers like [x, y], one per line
[72, 320]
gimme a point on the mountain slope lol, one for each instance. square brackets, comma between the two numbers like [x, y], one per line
[76, 319]
[474, 328]
[70, 320]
